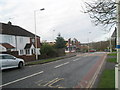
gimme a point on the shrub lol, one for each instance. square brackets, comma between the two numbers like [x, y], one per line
[48, 51]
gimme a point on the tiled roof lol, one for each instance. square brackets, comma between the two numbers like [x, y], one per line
[28, 46]
[7, 46]
[9, 29]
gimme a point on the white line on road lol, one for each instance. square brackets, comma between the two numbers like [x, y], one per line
[61, 65]
[21, 79]
[76, 59]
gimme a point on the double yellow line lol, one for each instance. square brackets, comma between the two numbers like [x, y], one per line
[50, 83]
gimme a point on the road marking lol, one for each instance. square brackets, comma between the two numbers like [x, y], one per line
[57, 61]
[76, 59]
[51, 84]
[61, 65]
[38, 81]
[21, 79]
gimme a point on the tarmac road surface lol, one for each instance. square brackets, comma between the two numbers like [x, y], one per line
[74, 72]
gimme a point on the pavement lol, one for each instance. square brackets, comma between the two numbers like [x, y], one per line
[65, 73]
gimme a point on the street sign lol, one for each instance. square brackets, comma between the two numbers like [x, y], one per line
[118, 46]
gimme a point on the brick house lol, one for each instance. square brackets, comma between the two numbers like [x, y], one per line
[72, 45]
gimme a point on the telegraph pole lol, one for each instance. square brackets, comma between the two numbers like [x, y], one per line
[117, 68]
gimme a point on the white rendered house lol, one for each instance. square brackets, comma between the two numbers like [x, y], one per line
[15, 38]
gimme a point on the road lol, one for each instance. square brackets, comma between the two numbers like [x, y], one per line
[74, 72]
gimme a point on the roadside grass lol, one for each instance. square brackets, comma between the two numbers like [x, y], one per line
[112, 60]
[107, 79]
[46, 60]
[112, 54]
[43, 61]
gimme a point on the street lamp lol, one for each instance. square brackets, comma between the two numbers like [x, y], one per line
[88, 43]
[110, 41]
[53, 35]
[35, 32]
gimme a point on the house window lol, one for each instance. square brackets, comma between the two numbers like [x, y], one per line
[33, 40]
[21, 52]
[8, 39]
[33, 51]
[27, 51]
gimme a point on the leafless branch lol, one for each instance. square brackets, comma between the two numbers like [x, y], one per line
[102, 12]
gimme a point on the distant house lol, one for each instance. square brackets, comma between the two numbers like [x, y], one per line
[84, 47]
[72, 45]
[15, 38]
[51, 43]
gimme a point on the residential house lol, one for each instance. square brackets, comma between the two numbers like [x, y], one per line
[84, 47]
[4, 47]
[72, 45]
[15, 38]
[51, 43]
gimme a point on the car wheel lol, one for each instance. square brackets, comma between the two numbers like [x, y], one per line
[20, 65]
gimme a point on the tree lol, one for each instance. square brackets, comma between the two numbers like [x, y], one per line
[102, 12]
[60, 42]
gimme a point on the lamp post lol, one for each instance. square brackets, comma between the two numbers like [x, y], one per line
[35, 32]
[53, 35]
[88, 43]
[110, 40]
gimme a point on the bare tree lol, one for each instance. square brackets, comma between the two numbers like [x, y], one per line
[102, 12]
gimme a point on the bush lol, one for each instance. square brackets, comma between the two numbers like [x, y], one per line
[48, 51]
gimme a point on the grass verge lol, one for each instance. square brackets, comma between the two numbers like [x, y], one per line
[112, 60]
[45, 61]
[107, 79]
[112, 54]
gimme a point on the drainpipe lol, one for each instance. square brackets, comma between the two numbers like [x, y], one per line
[16, 42]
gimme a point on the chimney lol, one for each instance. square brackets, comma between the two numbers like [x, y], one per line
[9, 23]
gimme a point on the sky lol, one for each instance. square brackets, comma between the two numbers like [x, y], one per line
[59, 16]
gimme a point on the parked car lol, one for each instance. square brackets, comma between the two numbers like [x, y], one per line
[92, 50]
[9, 61]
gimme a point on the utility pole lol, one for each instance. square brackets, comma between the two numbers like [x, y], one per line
[53, 35]
[89, 42]
[117, 68]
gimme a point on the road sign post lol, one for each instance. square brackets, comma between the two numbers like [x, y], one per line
[117, 70]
